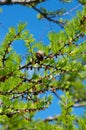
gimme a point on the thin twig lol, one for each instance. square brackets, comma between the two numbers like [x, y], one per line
[54, 92]
[51, 118]
[79, 105]
[71, 10]
[48, 18]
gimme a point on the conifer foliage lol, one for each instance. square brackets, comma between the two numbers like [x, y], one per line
[60, 65]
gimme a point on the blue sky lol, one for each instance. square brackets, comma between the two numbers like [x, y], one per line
[14, 14]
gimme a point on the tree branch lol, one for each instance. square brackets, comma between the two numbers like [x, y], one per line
[79, 105]
[51, 118]
[54, 92]
[23, 2]
[48, 18]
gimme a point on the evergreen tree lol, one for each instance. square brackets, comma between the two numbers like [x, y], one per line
[63, 64]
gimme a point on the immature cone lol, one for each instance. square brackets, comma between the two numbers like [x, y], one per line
[40, 55]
